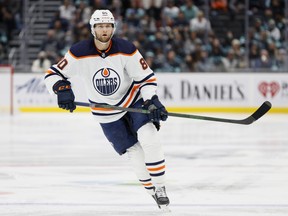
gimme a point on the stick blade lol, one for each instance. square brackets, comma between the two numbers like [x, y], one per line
[264, 108]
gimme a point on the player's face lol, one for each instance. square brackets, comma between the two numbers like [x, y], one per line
[103, 32]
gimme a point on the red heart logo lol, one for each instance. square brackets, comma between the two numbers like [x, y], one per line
[271, 88]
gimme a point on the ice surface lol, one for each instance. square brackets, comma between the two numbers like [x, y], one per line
[61, 165]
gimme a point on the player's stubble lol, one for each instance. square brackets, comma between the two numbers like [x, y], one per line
[104, 38]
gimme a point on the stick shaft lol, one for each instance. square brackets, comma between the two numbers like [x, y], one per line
[264, 108]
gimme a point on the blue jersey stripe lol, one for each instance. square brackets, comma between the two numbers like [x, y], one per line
[58, 72]
[51, 74]
[155, 84]
[146, 78]
[105, 114]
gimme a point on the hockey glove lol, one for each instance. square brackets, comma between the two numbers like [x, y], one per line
[65, 95]
[156, 108]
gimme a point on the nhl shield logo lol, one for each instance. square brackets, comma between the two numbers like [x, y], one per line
[106, 81]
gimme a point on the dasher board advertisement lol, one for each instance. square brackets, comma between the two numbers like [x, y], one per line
[181, 91]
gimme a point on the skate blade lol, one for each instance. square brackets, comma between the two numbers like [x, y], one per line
[164, 208]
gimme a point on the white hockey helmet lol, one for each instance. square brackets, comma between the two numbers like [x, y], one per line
[102, 16]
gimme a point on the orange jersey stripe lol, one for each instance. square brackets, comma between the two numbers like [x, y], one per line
[125, 54]
[101, 109]
[151, 80]
[131, 95]
[97, 55]
[50, 72]
[134, 89]
[109, 47]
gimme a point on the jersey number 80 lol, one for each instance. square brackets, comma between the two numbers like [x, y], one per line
[143, 63]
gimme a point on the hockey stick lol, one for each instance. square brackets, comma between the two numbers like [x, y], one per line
[264, 108]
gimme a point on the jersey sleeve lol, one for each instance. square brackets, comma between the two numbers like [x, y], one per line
[141, 73]
[64, 69]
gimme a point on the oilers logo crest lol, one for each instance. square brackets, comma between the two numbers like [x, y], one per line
[106, 81]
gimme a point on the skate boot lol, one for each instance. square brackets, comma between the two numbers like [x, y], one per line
[161, 198]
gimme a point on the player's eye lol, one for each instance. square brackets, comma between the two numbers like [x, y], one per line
[103, 26]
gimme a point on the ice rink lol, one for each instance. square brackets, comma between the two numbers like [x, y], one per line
[61, 165]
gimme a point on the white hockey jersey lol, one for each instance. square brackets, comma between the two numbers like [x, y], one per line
[117, 76]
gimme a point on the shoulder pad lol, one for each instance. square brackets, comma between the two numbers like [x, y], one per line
[83, 48]
[122, 46]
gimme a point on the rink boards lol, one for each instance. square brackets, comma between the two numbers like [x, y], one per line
[180, 92]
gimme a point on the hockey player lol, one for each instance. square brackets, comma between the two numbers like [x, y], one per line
[115, 73]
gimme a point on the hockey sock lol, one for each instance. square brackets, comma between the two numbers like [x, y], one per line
[137, 161]
[153, 153]
[147, 183]
[157, 172]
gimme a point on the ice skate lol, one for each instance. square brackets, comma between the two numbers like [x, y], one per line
[161, 198]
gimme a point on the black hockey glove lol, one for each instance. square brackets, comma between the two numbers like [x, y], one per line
[65, 95]
[156, 108]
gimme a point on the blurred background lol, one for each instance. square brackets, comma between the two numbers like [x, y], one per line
[173, 36]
